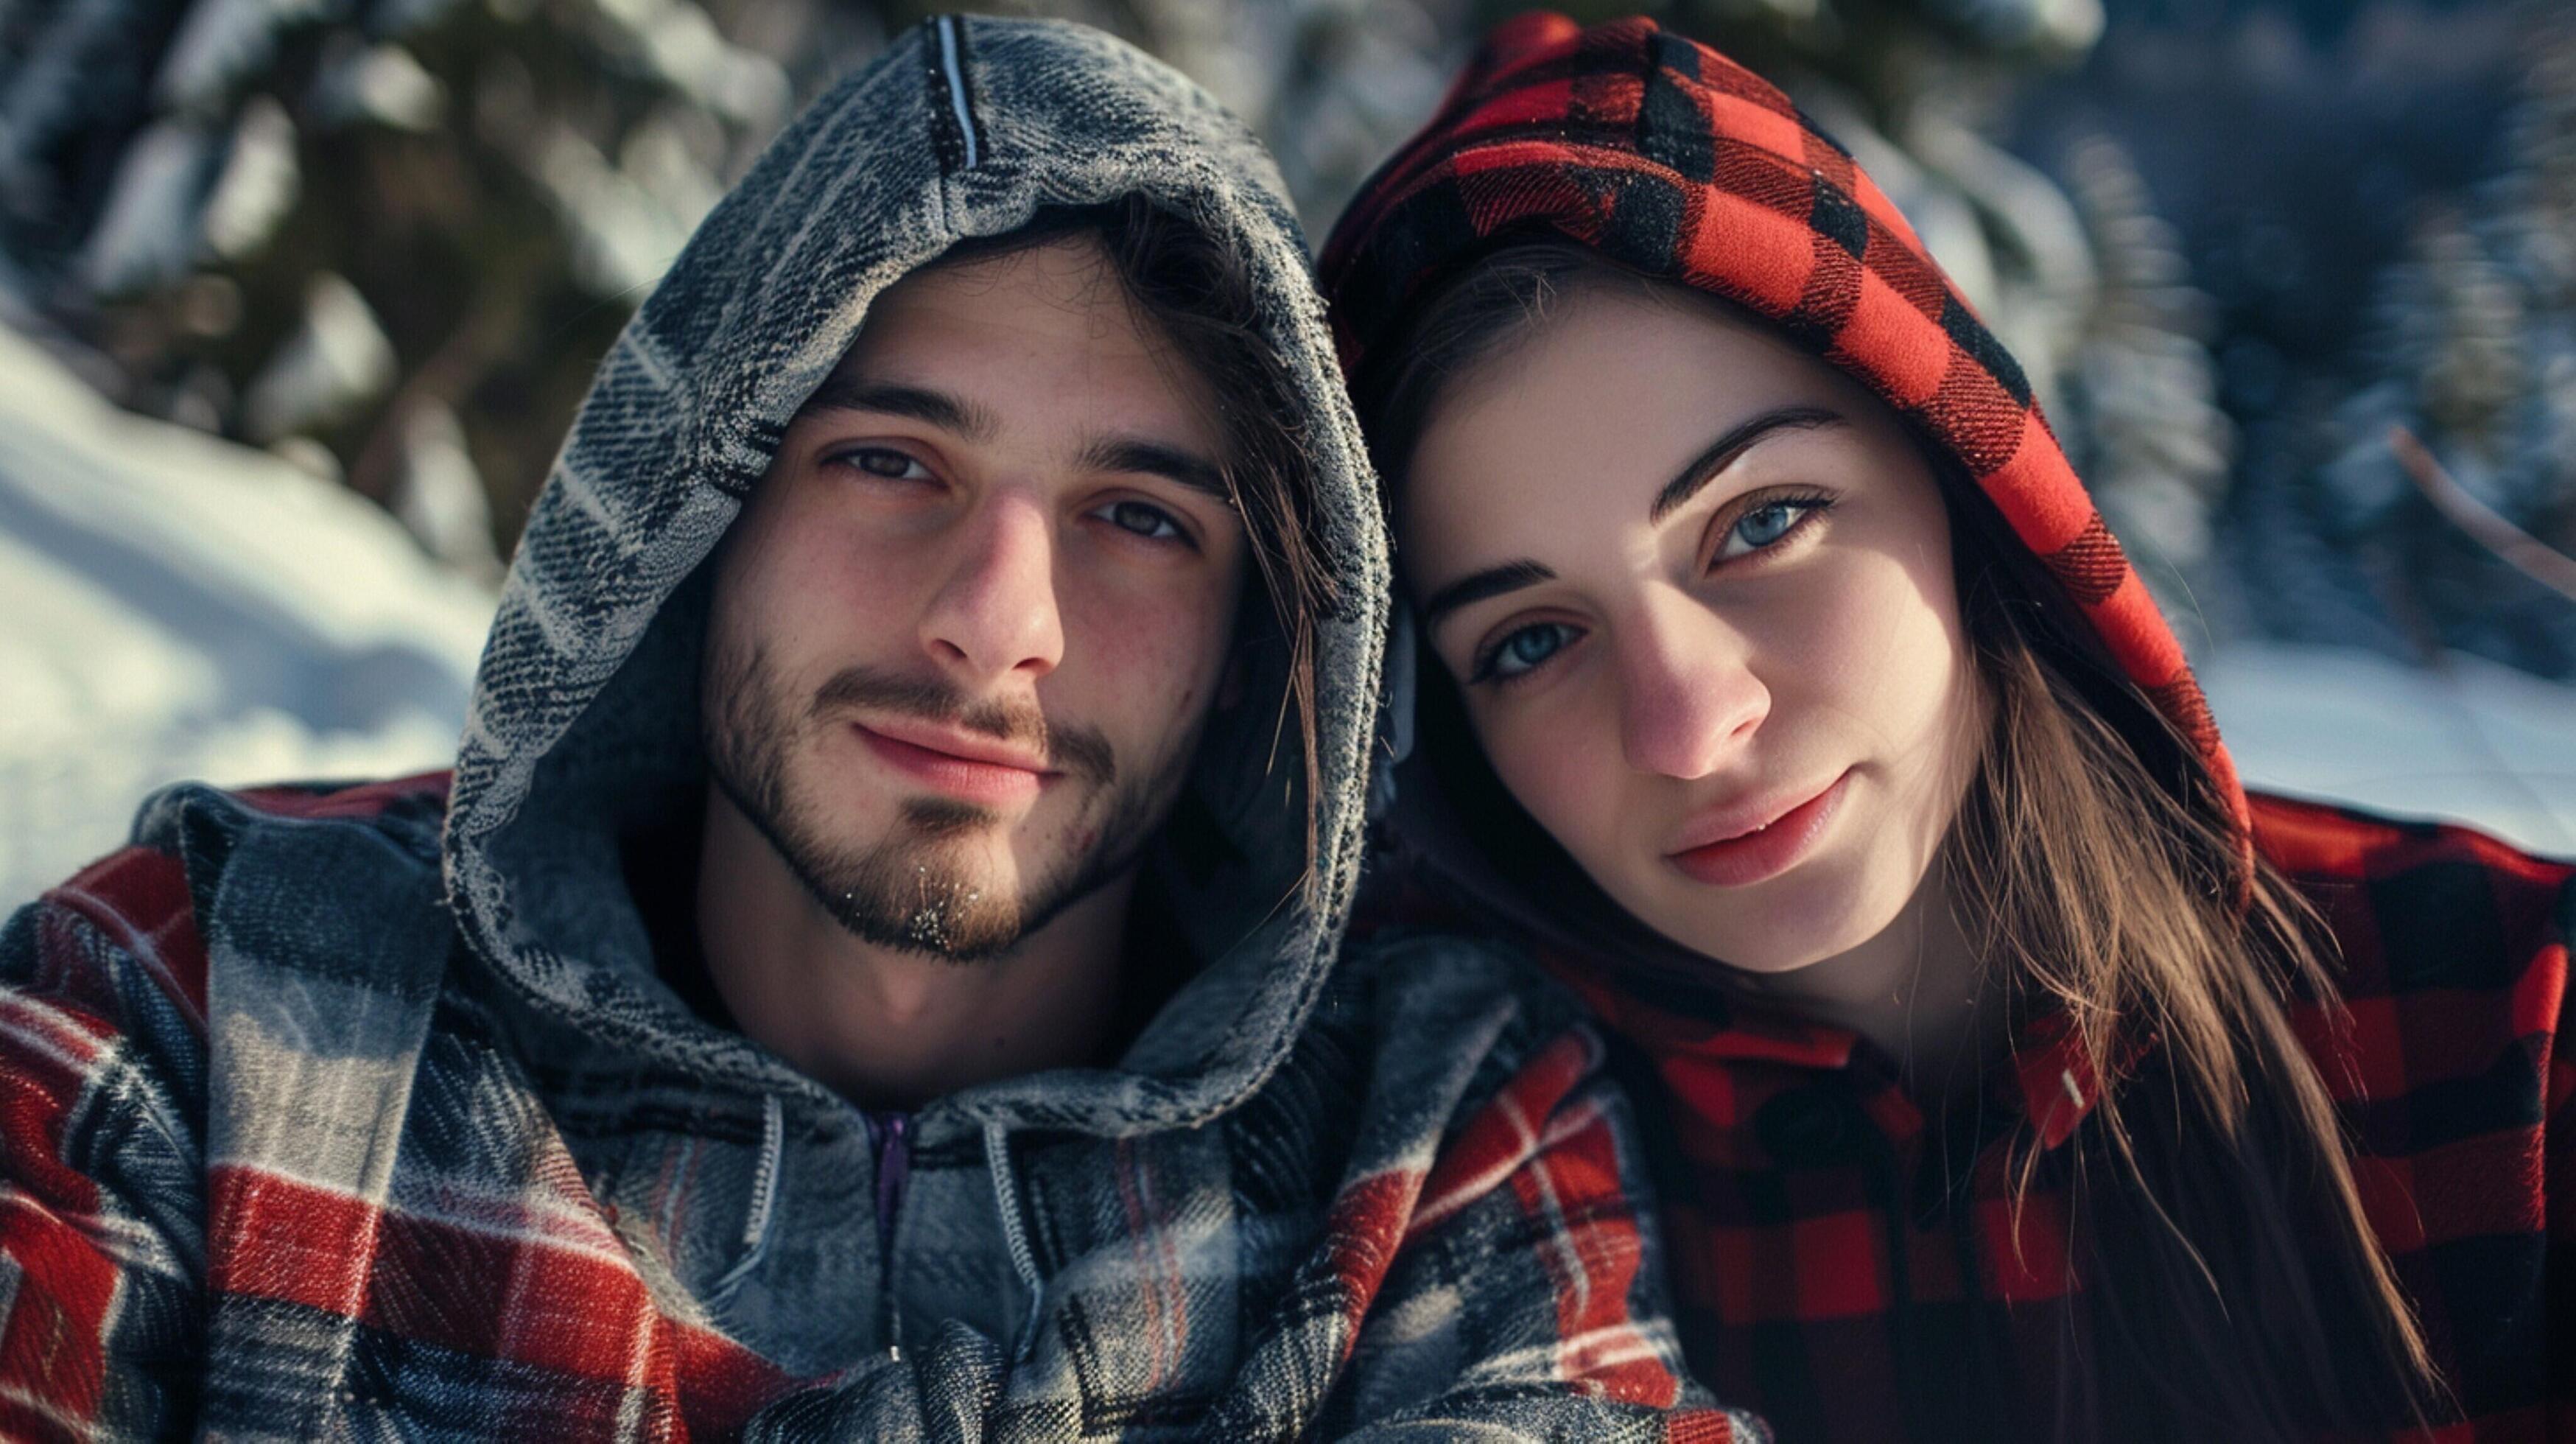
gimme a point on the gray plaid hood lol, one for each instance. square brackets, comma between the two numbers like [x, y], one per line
[585, 708]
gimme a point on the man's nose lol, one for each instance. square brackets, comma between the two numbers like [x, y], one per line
[995, 612]
[1689, 698]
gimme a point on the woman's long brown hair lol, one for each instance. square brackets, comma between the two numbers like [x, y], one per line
[2230, 1286]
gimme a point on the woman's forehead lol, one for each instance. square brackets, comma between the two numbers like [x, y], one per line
[1606, 396]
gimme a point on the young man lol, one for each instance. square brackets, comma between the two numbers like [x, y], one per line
[871, 972]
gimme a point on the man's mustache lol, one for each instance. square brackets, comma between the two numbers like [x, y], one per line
[1069, 748]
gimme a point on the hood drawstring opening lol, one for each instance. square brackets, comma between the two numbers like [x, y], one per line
[1015, 1236]
[890, 1156]
[764, 1195]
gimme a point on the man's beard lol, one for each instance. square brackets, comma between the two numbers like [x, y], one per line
[914, 889]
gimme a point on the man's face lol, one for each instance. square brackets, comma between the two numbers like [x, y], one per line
[966, 633]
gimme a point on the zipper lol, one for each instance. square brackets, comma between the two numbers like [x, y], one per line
[890, 1139]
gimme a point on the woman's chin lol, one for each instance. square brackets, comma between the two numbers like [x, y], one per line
[1818, 911]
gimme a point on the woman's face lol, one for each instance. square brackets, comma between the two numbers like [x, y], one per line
[1695, 588]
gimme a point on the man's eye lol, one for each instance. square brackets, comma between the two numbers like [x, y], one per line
[1143, 519]
[1523, 650]
[1766, 524]
[884, 461]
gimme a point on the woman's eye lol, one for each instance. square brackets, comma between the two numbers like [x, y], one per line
[1142, 519]
[1765, 525]
[884, 461]
[1524, 649]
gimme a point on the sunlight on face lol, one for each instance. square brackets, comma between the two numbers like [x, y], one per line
[1695, 588]
[965, 635]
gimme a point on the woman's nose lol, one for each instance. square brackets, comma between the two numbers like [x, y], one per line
[1689, 697]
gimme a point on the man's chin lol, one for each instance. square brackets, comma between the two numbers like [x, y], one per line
[922, 897]
[942, 876]
[929, 874]
[936, 819]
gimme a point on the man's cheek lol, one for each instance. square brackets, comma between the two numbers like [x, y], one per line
[1156, 662]
[866, 589]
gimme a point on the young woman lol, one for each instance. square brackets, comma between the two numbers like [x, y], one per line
[2022, 1076]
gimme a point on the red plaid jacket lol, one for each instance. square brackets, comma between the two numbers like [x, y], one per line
[362, 1114]
[1832, 1275]
[489, 1277]
[1814, 1240]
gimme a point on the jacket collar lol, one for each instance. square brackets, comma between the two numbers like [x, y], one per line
[2049, 1079]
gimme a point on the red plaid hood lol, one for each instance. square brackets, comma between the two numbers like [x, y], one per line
[1671, 159]
[1668, 157]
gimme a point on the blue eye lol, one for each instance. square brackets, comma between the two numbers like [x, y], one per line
[1524, 650]
[1766, 524]
[1142, 519]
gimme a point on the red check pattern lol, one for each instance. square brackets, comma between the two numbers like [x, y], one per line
[110, 1014]
[1836, 1273]
[150, 1285]
[1813, 1244]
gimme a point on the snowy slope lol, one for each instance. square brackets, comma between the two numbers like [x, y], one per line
[173, 606]
[2475, 741]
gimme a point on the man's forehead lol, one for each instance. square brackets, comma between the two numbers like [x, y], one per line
[1032, 338]
[1066, 284]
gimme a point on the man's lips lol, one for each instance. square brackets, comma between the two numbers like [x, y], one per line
[1747, 843]
[964, 765]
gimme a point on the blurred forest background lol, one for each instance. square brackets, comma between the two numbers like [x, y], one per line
[297, 298]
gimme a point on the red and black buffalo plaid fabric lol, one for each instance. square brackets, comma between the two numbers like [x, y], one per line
[1839, 1275]
[1841, 1269]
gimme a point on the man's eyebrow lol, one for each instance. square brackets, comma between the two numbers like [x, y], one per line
[1155, 458]
[1738, 439]
[1477, 586]
[857, 393]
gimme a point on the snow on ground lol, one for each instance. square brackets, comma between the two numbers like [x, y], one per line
[175, 606]
[2474, 741]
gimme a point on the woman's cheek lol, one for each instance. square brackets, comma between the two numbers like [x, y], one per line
[1551, 767]
[1928, 679]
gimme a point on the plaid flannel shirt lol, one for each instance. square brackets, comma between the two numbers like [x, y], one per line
[1831, 1274]
[366, 1113]
[235, 1214]
[1840, 1277]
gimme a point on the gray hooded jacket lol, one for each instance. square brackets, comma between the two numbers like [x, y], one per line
[366, 1112]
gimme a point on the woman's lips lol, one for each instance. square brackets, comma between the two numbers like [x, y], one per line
[992, 783]
[1765, 851]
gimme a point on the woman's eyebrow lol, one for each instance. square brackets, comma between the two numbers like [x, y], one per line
[1738, 439]
[1476, 586]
